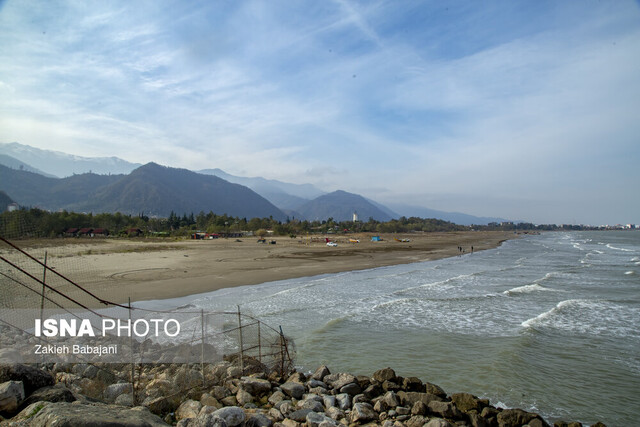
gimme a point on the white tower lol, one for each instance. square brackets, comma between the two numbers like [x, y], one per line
[355, 216]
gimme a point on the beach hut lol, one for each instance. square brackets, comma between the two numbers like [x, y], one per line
[376, 239]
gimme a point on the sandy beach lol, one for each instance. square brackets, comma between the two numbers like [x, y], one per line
[147, 269]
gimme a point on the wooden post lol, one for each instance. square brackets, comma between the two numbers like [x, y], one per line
[133, 367]
[202, 350]
[44, 280]
[240, 338]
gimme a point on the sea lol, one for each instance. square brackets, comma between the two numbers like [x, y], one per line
[548, 323]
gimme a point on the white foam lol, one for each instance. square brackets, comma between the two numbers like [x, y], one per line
[629, 273]
[526, 289]
[610, 246]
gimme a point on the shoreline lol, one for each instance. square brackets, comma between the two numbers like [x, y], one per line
[146, 270]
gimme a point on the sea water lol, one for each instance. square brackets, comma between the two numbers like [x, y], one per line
[548, 323]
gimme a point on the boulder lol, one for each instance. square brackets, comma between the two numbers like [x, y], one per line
[328, 401]
[386, 374]
[314, 419]
[258, 420]
[57, 393]
[391, 399]
[43, 414]
[320, 373]
[300, 415]
[114, 390]
[297, 377]
[335, 413]
[242, 397]
[466, 402]
[362, 412]
[293, 389]
[434, 389]
[351, 389]
[419, 408]
[276, 397]
[255, 386]
[412, 384]
[438, 422]
[188, 409]
[444, 409]
[314, 405]
[232, 415]
[517, 417]
[32, 378]
[416, 421]
[409, 398]
[343, 401]
[206, 420]
[11, 395]
[337, 381]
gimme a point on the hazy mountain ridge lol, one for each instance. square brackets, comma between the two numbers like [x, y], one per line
[77, 191]
[62, 165]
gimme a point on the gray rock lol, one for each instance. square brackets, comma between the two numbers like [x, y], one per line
[438, 422]
[416, 421]
[409, 398]
[320, 373]
[466, 402]
[232, 415]
[412, 384]
[276, 397]
[335, 413]
[188, 409]
[32, 378]
[300, 415]
[255, 386]
[243, 397]
[434, 389]
[444, 409]
[328, 401]
[360, 398]
[344, 401]
[340, 380]
[362, 412]
[351, 389]
[312, 404]
[518, 417]
[297, 377]
[57, 393]
[258, 420]
[386, 374]
[314, 419]
[115, 390]
[293, 389]
[234, 372]
[315, 383]
[419, 408]
[11, 395]
[44, 414]
[125, 399]
[276, 414]
[206, 420]
[391, 399]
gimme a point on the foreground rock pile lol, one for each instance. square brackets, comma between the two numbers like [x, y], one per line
[84, 395]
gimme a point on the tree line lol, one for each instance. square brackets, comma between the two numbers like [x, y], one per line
[36, 222]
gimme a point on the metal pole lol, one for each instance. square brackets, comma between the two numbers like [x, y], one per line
[202, 350]
[259, 344]
[44, 280]
[241, 345]
[133, 394]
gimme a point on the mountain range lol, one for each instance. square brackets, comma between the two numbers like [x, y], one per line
[55, 180]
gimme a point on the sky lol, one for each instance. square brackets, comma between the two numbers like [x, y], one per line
[527, 110]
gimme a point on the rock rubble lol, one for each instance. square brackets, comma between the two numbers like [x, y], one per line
[221, 396]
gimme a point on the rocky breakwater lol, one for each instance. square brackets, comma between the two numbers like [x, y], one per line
[175, 395]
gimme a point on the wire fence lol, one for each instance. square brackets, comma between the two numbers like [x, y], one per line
[48, 317]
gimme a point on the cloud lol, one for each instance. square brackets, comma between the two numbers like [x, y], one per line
[477, 101]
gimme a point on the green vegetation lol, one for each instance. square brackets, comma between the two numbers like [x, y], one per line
[39, 223]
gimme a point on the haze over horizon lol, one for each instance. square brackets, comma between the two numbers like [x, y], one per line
[522, 110]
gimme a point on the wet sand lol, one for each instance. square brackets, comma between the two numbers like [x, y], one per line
[149, 269]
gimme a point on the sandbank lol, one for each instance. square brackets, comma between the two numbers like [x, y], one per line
[150, 269]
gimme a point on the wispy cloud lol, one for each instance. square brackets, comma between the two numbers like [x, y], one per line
[438, 104]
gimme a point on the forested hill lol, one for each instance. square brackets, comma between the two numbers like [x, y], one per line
[152, 189]
[159, 190]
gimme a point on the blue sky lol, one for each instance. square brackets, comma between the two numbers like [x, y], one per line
[520, 109]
